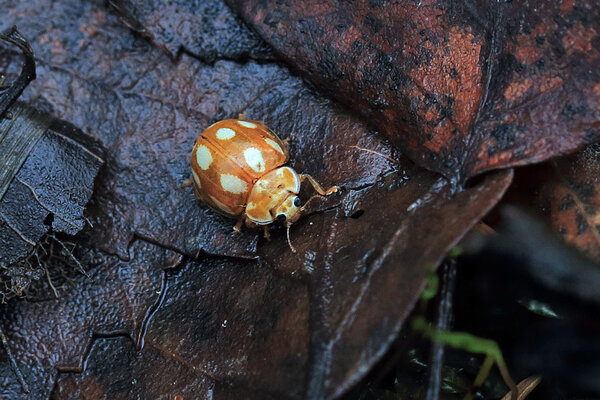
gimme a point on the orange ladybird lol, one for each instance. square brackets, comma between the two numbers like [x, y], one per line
[238, 169]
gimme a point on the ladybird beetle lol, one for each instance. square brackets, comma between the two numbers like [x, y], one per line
[238, 170]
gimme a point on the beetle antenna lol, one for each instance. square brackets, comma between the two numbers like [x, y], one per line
[288, 238]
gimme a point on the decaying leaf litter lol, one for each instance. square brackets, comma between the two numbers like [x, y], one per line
[36, 149]
[344, 304]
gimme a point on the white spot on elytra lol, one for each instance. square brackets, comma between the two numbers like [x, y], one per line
[274, 145]
[233, 184]
[247, 124]
[254, 159]
[196, 179]
[250, 206]
[203, 157]
[221, 206]
[225, 133]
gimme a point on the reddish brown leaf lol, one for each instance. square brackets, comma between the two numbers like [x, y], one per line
[460, 87]
[571, 194]
[565, 193]
[54, 335]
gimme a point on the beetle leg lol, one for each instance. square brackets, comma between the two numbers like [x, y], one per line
[318, 188]
[186, 183]
[238, 227]
[266, 232]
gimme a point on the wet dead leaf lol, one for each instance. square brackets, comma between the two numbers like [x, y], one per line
[571, 195]
[131, 374]
[53, 185]
[207, 29]
[47, 174]
[460, 87]
[51, 336]
[306, 325]
[369, 266]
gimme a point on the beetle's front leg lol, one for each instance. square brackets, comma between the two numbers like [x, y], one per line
[238, 226]
[318, 188]
[188, 182]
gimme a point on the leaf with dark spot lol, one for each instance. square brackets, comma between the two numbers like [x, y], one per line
[460, 87]
[571, 194]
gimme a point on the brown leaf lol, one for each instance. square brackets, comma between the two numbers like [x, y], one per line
[460, 87]
[571, 194]
[232, 322]
[52, 336]
[116, 370]
[314, 330]
[369, 269]
[134, 376]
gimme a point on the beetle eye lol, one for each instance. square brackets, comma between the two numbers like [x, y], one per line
[297, 202]
[280, 217]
